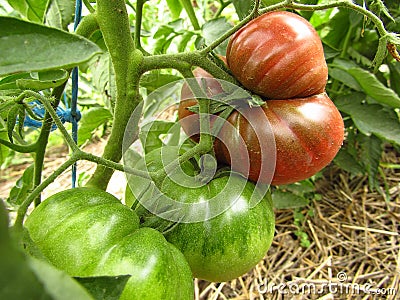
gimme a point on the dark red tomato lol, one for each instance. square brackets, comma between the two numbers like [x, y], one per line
[307, 134]
[278, 55]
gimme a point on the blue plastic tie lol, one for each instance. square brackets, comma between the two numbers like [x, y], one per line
[38, 109]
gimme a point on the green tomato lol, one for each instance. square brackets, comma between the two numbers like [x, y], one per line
[87, 232]
[227, 245]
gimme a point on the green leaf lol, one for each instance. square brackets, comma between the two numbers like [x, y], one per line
[4, 151]
[175, 7]
[371, 118]
[335, 32]
[394, 68]
[25, 277]
[104, 287]
[371, 153]
[345, 78]
[213, 29]
[154, 135]
[22, 187]
[43, 80]
[27, 47]
[186, 37]
[300, 187]
[10, 82]
[154, 80]
[57, 284]
[33, 10]
[91, 120]
[374, 88]
[287, 200]
[243, 8]
[60, 13]
[12, 120]
[346, 161]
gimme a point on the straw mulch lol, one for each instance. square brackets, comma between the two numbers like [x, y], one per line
[353, 231]
[354, 251]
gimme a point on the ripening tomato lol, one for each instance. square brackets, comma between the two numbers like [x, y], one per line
[278, 55]
[88, 232]
[307, 134]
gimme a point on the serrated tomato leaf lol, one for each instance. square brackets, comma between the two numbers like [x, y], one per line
[287, 200]
[33, 10]
[60, 13]
[213, 29]
[371, 118]
[374, 88]
[346, 161]
[90, 121]
[22, 187]
[371, 153]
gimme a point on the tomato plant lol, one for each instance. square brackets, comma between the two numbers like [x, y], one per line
[131, 58]
[278, 55]
[88, 232]
[223, 247]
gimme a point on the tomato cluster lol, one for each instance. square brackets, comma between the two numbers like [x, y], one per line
[278, 56]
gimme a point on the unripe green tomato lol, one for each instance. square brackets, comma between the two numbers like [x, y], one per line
[227, 245]
[88, 232]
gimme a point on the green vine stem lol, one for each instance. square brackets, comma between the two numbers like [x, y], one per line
[138, 23]
[23, 208]
[113, 20]
[187, 5]
[89, 6]
[42, 142]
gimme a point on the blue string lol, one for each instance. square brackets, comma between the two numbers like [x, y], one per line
[74, 100]
[65, 115]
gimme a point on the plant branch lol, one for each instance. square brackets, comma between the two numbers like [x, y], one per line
[231, 31]
[110, 164]
[49, 108]
[386, 37]
[89, 6]
[23, 208]
[181, 61]
[19, 148]
[113, 20]
[138, 23]
[43, 138]
[187, 4]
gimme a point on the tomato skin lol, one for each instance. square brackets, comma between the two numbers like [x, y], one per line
[229, 244]
[308, 133]
[278, 55]
[88, 232]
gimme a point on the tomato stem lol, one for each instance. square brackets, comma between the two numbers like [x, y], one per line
[127, 62]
